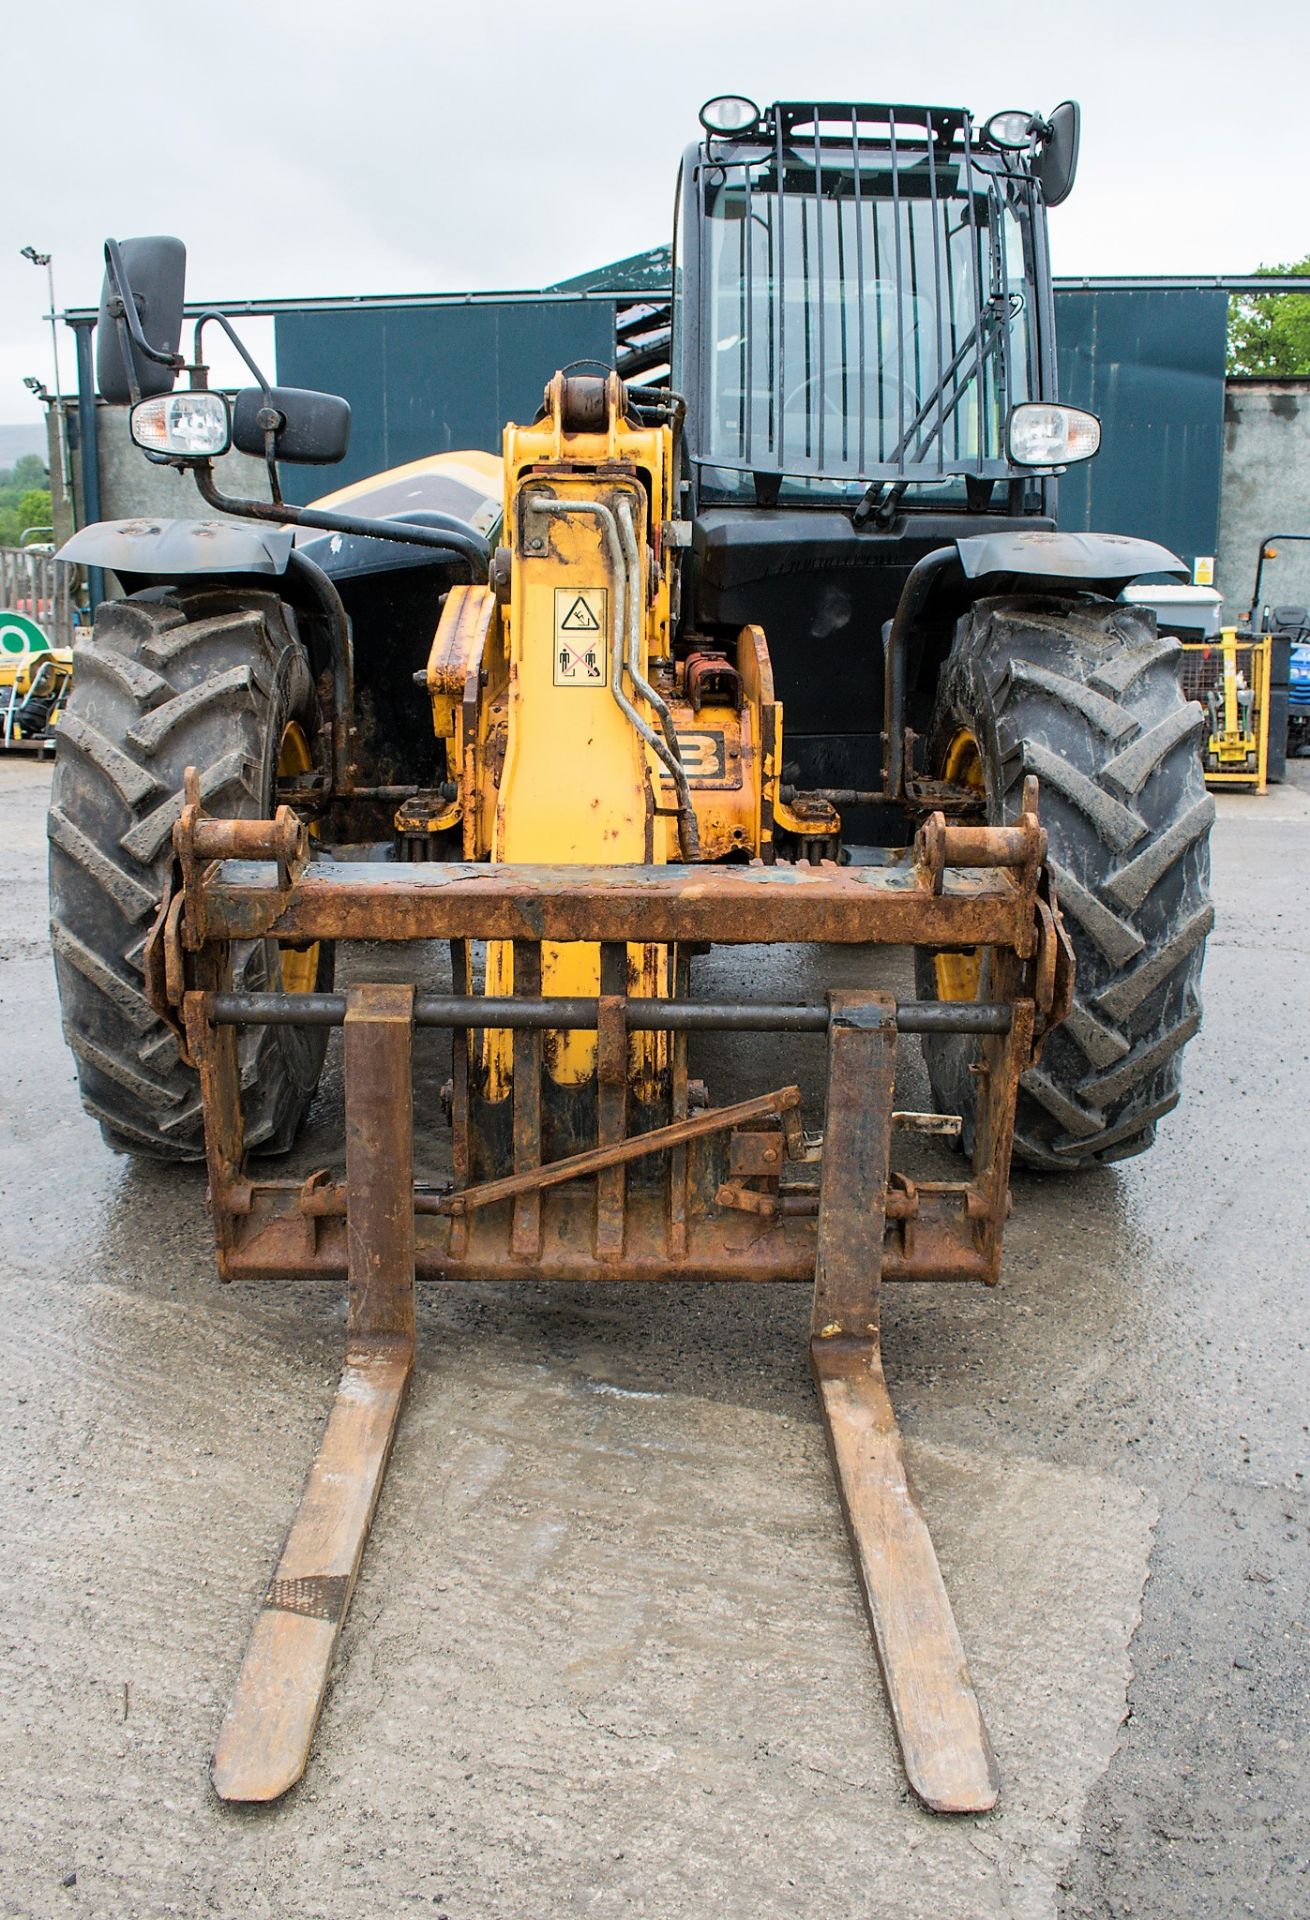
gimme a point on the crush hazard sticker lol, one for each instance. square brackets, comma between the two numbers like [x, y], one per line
[581, 637]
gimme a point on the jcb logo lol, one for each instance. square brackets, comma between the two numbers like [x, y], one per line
[703, 755]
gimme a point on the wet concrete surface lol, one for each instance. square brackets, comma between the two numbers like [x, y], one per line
[606, 1655]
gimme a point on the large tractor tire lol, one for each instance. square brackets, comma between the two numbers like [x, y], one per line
[1085, 694]
[216, 679]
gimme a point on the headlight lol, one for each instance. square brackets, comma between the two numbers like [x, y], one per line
[1044, 435]
[189, 426]
[729, 113]
[1009, 130]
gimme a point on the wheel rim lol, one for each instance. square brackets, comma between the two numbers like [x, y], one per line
[958, 974]
[298, 965]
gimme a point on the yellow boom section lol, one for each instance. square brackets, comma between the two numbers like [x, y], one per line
[585, 612]
[581, 727]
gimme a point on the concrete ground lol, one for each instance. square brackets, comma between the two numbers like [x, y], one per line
[606, 1655]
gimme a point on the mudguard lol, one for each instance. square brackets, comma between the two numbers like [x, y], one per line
[1094, 562]
[175, 549]
[940, 587]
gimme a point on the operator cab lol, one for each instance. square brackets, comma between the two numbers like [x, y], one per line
[863, 329]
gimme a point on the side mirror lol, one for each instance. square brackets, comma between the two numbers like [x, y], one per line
[149, 277]
[311, 428]
[1059, 158]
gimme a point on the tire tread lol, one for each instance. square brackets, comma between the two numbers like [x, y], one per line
[167, 680]
[1124, 803]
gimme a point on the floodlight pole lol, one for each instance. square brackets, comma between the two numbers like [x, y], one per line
[45, 260]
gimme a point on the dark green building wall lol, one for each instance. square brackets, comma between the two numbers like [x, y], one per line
[426, 380]
[1150, 364]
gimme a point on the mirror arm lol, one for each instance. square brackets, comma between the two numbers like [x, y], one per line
[270, 462]
[454, 537]
[125, 313]
[274, 423]
[212, 313]
[124, 333]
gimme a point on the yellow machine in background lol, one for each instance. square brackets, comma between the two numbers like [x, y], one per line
[1231, 682]
[35, 676]
[33, 690]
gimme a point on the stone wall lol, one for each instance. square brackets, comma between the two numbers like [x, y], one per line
[1265, 489]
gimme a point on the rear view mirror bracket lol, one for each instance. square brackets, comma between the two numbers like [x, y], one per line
[269, 417]
[318, 425]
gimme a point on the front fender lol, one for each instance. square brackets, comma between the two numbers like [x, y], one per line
[177, 549]
[946, 581]
[1044, 562]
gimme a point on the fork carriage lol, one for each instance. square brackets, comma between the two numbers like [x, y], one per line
[675, 1191]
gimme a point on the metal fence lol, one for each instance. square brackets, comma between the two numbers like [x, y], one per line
[33, 583]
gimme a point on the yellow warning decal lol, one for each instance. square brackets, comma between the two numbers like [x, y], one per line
[581, 637]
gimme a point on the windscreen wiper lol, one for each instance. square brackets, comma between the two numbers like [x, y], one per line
[980, 342]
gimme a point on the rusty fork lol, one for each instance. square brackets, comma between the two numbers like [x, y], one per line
[265, 1739]
[944, 1746]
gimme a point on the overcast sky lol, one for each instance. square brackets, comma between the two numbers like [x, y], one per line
[332, 146]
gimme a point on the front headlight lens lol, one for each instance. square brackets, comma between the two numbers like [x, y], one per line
[1045, 435]
[189, 426]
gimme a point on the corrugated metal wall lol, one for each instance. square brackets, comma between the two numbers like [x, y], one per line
[1150, 364]
[426, 380]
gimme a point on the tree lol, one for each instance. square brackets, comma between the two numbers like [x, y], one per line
[28, 471]
[1269, 333]
[33, 509]
[24, 499]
